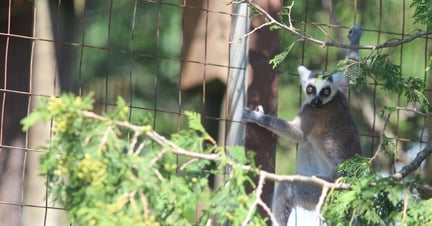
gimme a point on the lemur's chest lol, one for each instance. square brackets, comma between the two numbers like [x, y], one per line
[311, 161]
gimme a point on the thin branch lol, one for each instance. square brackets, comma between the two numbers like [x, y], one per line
[139, 149]
[133, 143]
[104, 139]
[415, 164]
[252, 31]
[156, 137]
[295, 31]
[158, 174]
[144, 203]
[415, 111]
[252, 207]
[271, 176]
[404, 211]
[310, 180]
[259, 201]
[268, 211]
[159, 156]
[186, 164]
[125, 124]
[380, 143]
[180, 151]
[270, 21]
[321, 202]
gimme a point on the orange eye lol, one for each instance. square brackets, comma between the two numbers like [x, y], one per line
[309, 90]
[326, 92]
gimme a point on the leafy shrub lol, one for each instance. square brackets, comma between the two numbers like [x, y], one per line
[106, 171]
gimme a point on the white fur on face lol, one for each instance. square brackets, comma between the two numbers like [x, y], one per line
[319, 84]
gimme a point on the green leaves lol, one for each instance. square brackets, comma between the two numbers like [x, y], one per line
[388, 146]
[373, 199]
[279, 58]
[105, 171]
[381, 71]
[63, 109]
[423, 12]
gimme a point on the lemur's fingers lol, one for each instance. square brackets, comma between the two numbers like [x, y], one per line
[250, 115]
[260, 109]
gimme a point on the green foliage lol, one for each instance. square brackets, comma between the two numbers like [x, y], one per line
[388, 146]
[381, 70]
[279, 58]
[356, 73]
[234, 197]
[105, 171]
[374, 199]
[423, 12]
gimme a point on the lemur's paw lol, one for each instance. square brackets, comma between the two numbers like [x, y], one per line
[250, 115]
[260, 109]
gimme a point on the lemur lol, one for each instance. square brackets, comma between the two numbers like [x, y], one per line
[327, 133]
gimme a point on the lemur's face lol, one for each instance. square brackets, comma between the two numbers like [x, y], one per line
[319, 89]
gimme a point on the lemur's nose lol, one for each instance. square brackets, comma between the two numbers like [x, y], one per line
[316, 102]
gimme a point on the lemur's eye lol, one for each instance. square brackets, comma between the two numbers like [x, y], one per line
[309, 90]
[326, 92]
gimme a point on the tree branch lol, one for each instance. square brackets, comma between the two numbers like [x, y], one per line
[415, 164]
[414, 110]
[321, 202]
[259, 201]
[290, 28]
[214, 157]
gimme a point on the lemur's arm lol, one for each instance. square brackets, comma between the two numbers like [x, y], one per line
[290, 130]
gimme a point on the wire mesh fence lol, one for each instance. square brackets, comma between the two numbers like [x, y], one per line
[169, 56]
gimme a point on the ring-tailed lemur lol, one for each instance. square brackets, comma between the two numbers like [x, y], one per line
[325, 128]
[327, 133]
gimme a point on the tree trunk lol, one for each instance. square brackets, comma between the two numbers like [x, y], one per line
[262, 90]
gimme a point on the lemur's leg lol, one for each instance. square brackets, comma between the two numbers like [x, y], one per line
[283, 202]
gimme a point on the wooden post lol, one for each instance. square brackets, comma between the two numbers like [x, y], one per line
[262, 90]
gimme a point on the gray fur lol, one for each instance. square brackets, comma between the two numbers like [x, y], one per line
[354, 36]
[327, 134]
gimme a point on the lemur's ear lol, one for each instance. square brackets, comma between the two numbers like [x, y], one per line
[337, 77]
[304, 74]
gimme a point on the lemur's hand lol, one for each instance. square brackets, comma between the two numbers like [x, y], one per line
[251, 115]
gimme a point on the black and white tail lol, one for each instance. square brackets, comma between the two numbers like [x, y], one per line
[354, 36]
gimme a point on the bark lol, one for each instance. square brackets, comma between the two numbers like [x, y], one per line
[262, 90]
